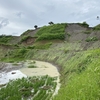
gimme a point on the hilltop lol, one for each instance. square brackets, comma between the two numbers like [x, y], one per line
[73, 47]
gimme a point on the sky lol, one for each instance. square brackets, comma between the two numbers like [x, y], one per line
[17, 16]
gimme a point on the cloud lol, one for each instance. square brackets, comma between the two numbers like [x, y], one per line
[20, 15]
[3, 22]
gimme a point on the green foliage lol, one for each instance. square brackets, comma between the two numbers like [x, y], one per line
[32, 66]
[26, 32]
[42, 46]
[15, 55]
[5, 39]
[87, 32]
[80, 71]
[32, 87]
[69, 34]
[91, 39]
[66, 50]
[97, 27]
[84, 24]
[24, 38]
[20, 52]
[31, 47]
[49, 36]
[55, 31]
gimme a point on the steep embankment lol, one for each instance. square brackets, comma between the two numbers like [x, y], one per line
[77, 54]
[78, 58]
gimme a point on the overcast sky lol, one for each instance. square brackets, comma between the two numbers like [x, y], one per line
[16, 16]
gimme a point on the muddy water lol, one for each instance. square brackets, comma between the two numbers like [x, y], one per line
[11, 72]
[42, 68]
[5, 77]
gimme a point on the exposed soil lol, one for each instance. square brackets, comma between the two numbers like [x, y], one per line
[43, 68]
[7, 67]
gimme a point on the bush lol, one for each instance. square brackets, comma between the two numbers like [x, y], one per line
[87, 32]
[91, 39]
[5, 39]
[20, 53]
[84, 24]
[43, 46]
[30, 47]
[97, 27]
[24, 38]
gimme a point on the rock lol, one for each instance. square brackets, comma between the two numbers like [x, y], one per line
[1, 85]
[13, 73]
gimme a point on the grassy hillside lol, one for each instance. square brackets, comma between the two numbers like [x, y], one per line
[77, 56]
[55, 31]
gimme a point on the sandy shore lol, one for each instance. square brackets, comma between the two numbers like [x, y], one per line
[43, 68]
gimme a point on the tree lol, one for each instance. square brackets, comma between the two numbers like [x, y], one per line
[35, 26]
[51, 23]
[97, 17]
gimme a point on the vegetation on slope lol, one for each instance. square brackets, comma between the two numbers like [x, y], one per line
[80, 71]
[55, 31]
[84, 24]
[5, 39]
[24, 38]
[26, 32]
[79, 74]
[97, 27]
[34, 88]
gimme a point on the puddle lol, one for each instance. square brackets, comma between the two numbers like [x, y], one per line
[43, 68]
[11, 72]
[5, 77]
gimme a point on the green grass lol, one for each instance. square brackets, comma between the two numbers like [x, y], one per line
[42, 46]
[91, 39]
[80, 72]
[55, 31]
[24, 38]
[32, 66]
[87, 32]
[28, 87]
[26, 32]
[84, 24]
[97, 27]
[15, 55]
[5, 39]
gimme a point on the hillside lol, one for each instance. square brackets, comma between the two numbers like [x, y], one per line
[73, 47]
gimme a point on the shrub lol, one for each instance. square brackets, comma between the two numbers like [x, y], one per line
[68, 34]
[66, 50]
[24, 38]
[43, 46]
[87, 32]
[91, 39]
[97, 27]
[5, 39]
[30, 47]
[20, 53]
[84, 24]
